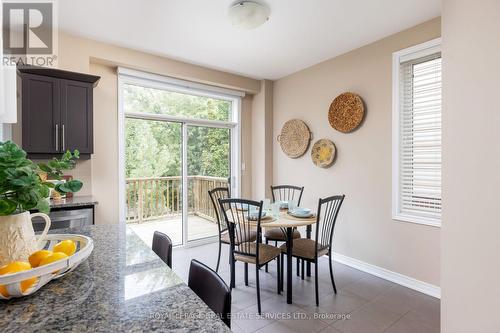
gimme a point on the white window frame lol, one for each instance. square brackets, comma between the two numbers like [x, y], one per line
[411, 53]
[143, 79]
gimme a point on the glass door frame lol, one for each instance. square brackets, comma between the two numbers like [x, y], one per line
[127, 76]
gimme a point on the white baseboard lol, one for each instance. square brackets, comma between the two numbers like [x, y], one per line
[386, 274]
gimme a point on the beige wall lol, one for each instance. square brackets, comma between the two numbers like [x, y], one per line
[100, 174]
[362, 170]
[262, 145]
[471, 165]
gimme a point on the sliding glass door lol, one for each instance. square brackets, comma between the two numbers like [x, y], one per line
[178, 144]
[153, 171]
[209, 167]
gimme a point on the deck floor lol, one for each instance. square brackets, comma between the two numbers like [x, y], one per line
[198, 228]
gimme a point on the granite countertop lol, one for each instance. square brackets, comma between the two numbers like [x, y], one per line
[122, 287]
[75, 201]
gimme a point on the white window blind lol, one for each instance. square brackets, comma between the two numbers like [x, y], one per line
[419, 141]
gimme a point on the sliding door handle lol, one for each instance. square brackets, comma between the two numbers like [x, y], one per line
[57, 137]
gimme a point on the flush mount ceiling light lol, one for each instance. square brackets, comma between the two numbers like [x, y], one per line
[248, 14]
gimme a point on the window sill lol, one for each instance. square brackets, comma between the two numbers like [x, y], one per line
[417, 220]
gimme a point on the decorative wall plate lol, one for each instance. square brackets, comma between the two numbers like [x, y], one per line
[323, 153]
[346, 112]
[294, 138]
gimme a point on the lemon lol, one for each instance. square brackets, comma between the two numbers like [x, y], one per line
[66, 246]
[15, 267]
[37, 256]
[53, 258]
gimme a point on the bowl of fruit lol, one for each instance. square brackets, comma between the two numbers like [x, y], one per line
[59, 254]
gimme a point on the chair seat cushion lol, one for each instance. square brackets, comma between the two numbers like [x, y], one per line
[251, 236]
[306, 248]
[278, 235]
[266, 253]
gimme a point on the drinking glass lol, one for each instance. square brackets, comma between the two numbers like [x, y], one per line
[265, 204]
[291, 205]
[275, 209]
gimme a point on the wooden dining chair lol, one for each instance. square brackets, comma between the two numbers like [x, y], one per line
[284, 193]
[223, 193]
[310, 250]
[210, 287]
[238, 214]
[162, 246]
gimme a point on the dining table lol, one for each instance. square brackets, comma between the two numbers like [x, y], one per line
[123, 286]
[287, 223]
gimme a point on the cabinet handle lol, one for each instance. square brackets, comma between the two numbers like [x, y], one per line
[57, 137]
[63, 140]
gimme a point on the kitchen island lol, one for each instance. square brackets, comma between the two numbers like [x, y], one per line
[122, 287]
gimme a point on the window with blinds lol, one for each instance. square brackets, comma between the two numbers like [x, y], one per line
[418, 192]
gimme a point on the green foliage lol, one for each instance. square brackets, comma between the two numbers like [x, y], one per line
[55, 167]
[153, 148]
[21, 188]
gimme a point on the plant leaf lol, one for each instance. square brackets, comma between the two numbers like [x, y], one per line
[7, 207]
[70, 186]
[43, 206]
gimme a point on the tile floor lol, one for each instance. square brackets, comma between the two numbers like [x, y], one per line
[364, 303]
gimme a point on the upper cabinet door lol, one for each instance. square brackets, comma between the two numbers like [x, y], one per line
[76, 116]
[41, 114]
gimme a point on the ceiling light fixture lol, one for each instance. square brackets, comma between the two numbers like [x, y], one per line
[248, 14]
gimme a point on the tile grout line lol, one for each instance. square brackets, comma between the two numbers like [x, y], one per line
[396, 321]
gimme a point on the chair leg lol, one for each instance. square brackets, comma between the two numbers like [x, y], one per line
[278, 276]
[246, 274]
[316, 281]
[258, 287]
[233, 274]
[331, 274]
[303, 266]
[282, 271]
[218, 258]
[267, 242]
[298, 267]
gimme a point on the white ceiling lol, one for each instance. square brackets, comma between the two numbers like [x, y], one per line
[300, 33]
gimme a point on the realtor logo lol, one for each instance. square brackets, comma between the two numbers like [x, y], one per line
[28, 32]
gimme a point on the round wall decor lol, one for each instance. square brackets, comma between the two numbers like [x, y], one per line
[346, 112]
[323, 153]
[294, 138]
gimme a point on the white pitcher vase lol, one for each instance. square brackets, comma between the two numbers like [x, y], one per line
[17, 237]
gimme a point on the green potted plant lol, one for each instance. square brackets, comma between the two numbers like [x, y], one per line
[53, 170]
[21, 190]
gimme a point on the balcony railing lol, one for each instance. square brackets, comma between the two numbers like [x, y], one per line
[161, 197]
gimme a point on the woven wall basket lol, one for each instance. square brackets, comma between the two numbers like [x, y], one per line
[346, 112]
[323, 153]
[294, 138]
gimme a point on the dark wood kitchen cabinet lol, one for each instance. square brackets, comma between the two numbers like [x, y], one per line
[57, 111]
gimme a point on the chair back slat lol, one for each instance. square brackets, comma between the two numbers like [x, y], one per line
[237, 214]
[216, 194]
[287, 193]
[328, 210]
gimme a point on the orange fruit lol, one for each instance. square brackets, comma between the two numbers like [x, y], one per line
[15, 267]
[37, 256]
[56, 256]
[66, 246]
[3, 291]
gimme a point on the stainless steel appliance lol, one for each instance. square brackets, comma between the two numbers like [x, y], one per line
[66, 218]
